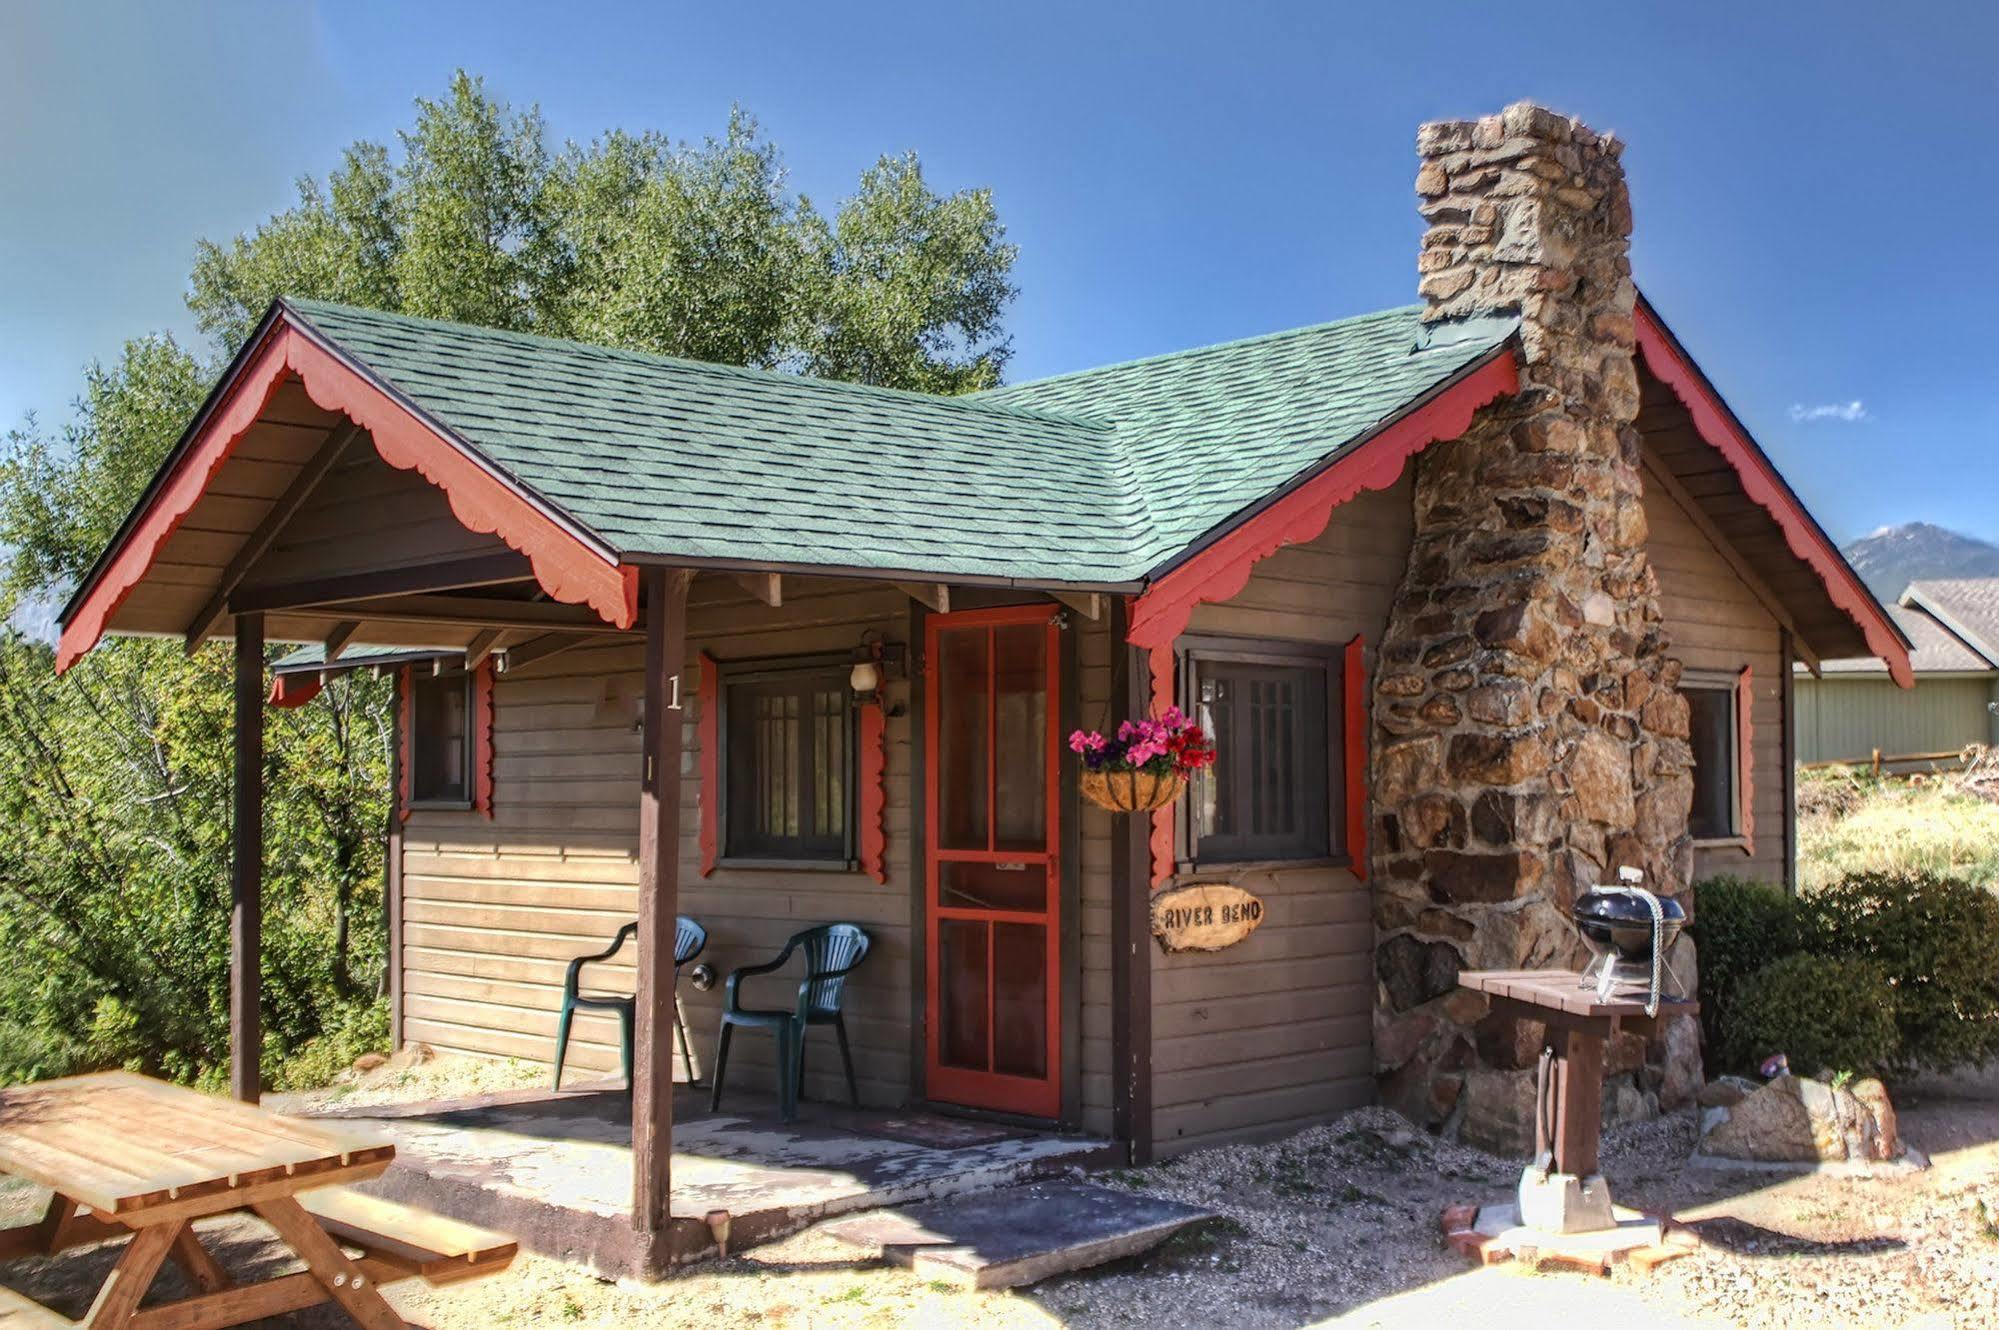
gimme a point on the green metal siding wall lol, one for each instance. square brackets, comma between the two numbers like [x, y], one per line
[1845, 718]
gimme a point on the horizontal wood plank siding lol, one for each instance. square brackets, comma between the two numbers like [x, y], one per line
[1275, 1033]
[1715, 623]
[495, 908]
[1848, 717]
[1093, 689]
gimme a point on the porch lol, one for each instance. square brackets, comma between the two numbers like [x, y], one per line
[554, 1169]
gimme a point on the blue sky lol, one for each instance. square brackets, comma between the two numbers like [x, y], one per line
[1812, 184]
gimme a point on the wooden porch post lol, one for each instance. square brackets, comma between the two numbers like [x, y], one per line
[246, 869]
[665, 603]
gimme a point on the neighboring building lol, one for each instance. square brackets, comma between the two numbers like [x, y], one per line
[1511, 594]
[1853, 712]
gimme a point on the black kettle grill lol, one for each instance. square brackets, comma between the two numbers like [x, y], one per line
[1628, 931]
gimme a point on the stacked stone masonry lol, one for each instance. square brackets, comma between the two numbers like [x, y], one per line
[1530, 738]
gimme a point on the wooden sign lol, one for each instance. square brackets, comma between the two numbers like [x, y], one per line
[1204, 916]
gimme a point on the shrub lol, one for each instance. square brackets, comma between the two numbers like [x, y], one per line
[1824, 1015]
[1739, 927]
[1936, 938]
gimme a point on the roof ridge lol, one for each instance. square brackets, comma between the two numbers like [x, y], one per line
[1226, 345]
[967, 401]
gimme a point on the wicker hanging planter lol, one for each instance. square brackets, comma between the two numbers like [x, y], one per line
[1132, 791]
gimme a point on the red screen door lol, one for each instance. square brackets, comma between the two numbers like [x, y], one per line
[992, 826]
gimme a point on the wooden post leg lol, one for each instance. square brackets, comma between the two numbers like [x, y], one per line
[1579, 1109]
[246, 867]
[203, 1271]
[659, 902]
[340, 1277]
[132, 1276]
[54, 1220]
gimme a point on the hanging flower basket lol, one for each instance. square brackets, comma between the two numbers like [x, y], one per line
[1132, 791]
[1145, 766]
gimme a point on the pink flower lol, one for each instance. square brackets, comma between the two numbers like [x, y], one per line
[1077, 742]
[1173, 718]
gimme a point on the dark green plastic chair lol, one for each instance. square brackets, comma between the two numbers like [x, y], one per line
[688, 940]
[831, 953]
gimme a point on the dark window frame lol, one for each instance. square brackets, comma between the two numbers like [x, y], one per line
[1730, 687]
[787, 669]
[1195, 651]
[419, 680]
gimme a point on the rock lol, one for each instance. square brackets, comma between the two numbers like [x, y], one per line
[1768, 1126]
[1724, 1093]
[1600, 770]
[1498, 1109]
[1873, 1095]
[1682, 1059]
[1804, 1121]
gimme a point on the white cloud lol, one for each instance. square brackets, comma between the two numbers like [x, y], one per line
[1846, 411]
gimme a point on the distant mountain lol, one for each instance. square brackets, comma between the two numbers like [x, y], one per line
[1895, 556]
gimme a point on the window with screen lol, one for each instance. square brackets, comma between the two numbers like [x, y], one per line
[1270, 793]
[1712, 730]
[787, 744]
[440, 739]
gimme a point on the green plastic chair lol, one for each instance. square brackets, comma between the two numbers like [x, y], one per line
[688, 940]
[832, 951]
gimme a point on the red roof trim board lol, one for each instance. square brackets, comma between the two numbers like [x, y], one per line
[1222, 569]
[874, 792]
[1717, 425]
[294, 690]
[708, 694]
[566, 567]
[1353, 690]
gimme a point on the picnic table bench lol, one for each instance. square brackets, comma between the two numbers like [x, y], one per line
[125, 1156]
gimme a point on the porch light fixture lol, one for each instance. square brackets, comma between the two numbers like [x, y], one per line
[876, 662]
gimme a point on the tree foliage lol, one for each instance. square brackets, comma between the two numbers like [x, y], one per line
[115, 778]
[634, 240]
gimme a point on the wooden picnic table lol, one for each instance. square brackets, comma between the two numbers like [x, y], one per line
[128, 1156]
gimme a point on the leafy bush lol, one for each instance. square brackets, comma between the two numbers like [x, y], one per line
[1739, 927]
[1825, 1015]
[1937, 940]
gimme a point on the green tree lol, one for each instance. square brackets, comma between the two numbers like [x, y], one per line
[114, 779]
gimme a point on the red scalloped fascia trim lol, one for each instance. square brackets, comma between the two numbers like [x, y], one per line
[1718, 427]
[1745, 757]
[708, 692]
[1220, 571]
[1162, 661]
[874, 792]
[1353, 695]
[294, 690]
[403, 749]
[482, 737]
[567, 568]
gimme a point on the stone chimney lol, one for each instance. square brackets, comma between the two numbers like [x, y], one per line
[1529, 738]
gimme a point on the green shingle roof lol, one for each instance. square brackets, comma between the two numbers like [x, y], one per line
[1089, 478]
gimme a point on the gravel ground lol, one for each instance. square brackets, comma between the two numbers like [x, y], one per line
[1336, 1225]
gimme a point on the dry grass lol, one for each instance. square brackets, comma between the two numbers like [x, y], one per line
[1849, 822]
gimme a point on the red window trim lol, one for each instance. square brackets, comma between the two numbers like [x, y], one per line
[1222, 569]
[1745, 758]
[1353, 687]
[566, 567]
[1669, 362]
[480, 724]
[708, 693]
[874, 792]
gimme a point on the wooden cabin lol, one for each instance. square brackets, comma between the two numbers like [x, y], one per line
[627, 596]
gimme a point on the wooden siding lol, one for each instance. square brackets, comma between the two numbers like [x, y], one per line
[1275, 1033]
[1847, 717]
[494, 909]
[1716, 625]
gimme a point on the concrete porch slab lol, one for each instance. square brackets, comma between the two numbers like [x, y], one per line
[1020, 1235]
[554, 1170]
